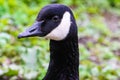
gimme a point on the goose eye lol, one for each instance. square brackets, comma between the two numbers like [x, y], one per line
[55, 18]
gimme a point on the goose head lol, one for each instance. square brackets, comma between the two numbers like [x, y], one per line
[56, 22]
[53, 22]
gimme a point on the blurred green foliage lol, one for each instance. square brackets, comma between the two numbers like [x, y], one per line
[28, 58]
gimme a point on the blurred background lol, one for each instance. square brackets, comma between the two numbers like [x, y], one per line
[99, 39]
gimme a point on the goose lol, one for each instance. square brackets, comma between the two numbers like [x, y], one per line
[57, 23]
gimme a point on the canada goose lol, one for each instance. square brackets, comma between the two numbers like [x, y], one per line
[56, 22]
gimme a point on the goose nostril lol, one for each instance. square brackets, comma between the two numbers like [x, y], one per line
[32, 30]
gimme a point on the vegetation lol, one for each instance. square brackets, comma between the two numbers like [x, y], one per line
[99, 40]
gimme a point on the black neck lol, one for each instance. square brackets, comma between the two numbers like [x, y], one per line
[64, 60]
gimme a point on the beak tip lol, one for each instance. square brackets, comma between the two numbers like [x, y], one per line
[19, 36]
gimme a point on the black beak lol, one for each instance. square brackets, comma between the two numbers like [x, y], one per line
[34, 30]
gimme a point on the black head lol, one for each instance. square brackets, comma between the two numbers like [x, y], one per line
[53, 21]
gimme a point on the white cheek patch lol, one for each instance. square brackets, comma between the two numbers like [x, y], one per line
[62, 30]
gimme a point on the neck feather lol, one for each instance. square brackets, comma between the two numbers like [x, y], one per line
[64, 60]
